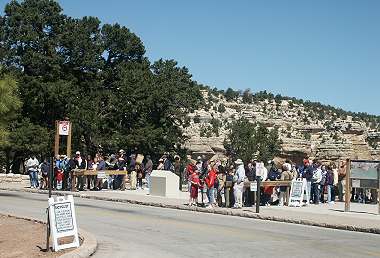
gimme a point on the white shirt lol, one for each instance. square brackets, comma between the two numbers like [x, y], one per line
[32, 164]
[240, 172]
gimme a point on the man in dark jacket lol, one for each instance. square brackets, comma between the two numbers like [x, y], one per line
[80, 163]
[308, 175]
[250, 173]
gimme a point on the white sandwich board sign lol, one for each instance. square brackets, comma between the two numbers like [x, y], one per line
[297, 191]
[63, 221]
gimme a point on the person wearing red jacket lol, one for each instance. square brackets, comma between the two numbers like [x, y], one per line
[195, 182]
[210, 182]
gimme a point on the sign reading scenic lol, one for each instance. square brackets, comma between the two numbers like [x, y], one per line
[63, 221]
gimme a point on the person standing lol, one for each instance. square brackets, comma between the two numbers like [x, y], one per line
[286, 175]
[239, 185]
[80, 164]
[210, 181]
[148, 170]
[323, 184]
[90, 179]
[195, 183]
[32, 168]
[335, 183]
[139, 172]
[45, 172]
[307, 173]
[250, 173]
[315, 182]
[221, 177]
[121, 165]
[100, 166]
[330, 185]
[132, 169]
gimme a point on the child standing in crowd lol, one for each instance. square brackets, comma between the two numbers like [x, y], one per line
[195, 183]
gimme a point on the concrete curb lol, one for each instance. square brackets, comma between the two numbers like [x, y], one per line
[220, 211]
[86, 249]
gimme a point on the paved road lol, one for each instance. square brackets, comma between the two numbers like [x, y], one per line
[125, 230]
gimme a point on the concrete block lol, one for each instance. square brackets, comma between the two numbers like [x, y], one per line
[164, 183]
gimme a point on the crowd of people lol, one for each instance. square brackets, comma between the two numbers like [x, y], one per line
[136, 168]
[227, 184]
[211, 182]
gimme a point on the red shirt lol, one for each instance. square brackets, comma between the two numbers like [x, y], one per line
[210, 179]
[195, 179]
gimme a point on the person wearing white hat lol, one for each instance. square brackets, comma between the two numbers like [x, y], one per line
[239, 185]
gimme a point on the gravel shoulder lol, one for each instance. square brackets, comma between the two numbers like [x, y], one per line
[23, 238]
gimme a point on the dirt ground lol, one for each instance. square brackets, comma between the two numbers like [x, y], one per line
[22, 238]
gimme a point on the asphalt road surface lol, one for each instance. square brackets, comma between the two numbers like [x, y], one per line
[126, 230]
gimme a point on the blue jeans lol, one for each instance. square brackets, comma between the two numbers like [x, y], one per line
[210, 195]
[316, 193]
[147, 178]
[33, 178]
[308, 189]
[110, 182]
[330, 193]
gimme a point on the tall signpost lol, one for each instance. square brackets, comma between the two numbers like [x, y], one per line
[61, 219]
[63, 128]
[348, 186]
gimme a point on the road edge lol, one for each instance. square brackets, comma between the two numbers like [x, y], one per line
[87, 249]
[220, 211]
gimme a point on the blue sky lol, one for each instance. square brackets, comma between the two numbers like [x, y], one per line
[326, 50]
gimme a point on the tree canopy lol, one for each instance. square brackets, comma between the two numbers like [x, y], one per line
[248, 140]
[95, 74]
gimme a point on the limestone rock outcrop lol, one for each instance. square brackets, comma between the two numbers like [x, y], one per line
[303, 131]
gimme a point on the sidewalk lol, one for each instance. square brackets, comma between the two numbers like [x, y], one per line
[363, 217]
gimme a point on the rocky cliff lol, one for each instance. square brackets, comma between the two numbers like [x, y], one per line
[319, 133]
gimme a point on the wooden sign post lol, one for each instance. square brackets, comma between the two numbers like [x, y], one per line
[347, 198]
[62, 128]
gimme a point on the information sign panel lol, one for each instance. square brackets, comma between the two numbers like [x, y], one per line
[260, 169]
[63, 127]
[101, 175]
[297, 190]
[253, 186]
[63, 221]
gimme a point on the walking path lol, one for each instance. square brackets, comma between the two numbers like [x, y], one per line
[363, 217]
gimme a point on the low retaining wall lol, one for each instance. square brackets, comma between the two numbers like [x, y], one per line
[15, 178]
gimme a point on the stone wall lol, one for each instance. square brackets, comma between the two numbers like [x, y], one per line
[15, 179]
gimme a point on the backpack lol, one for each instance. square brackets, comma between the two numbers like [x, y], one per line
[65, 166]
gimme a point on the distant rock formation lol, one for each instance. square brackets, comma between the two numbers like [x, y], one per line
[304, 132]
